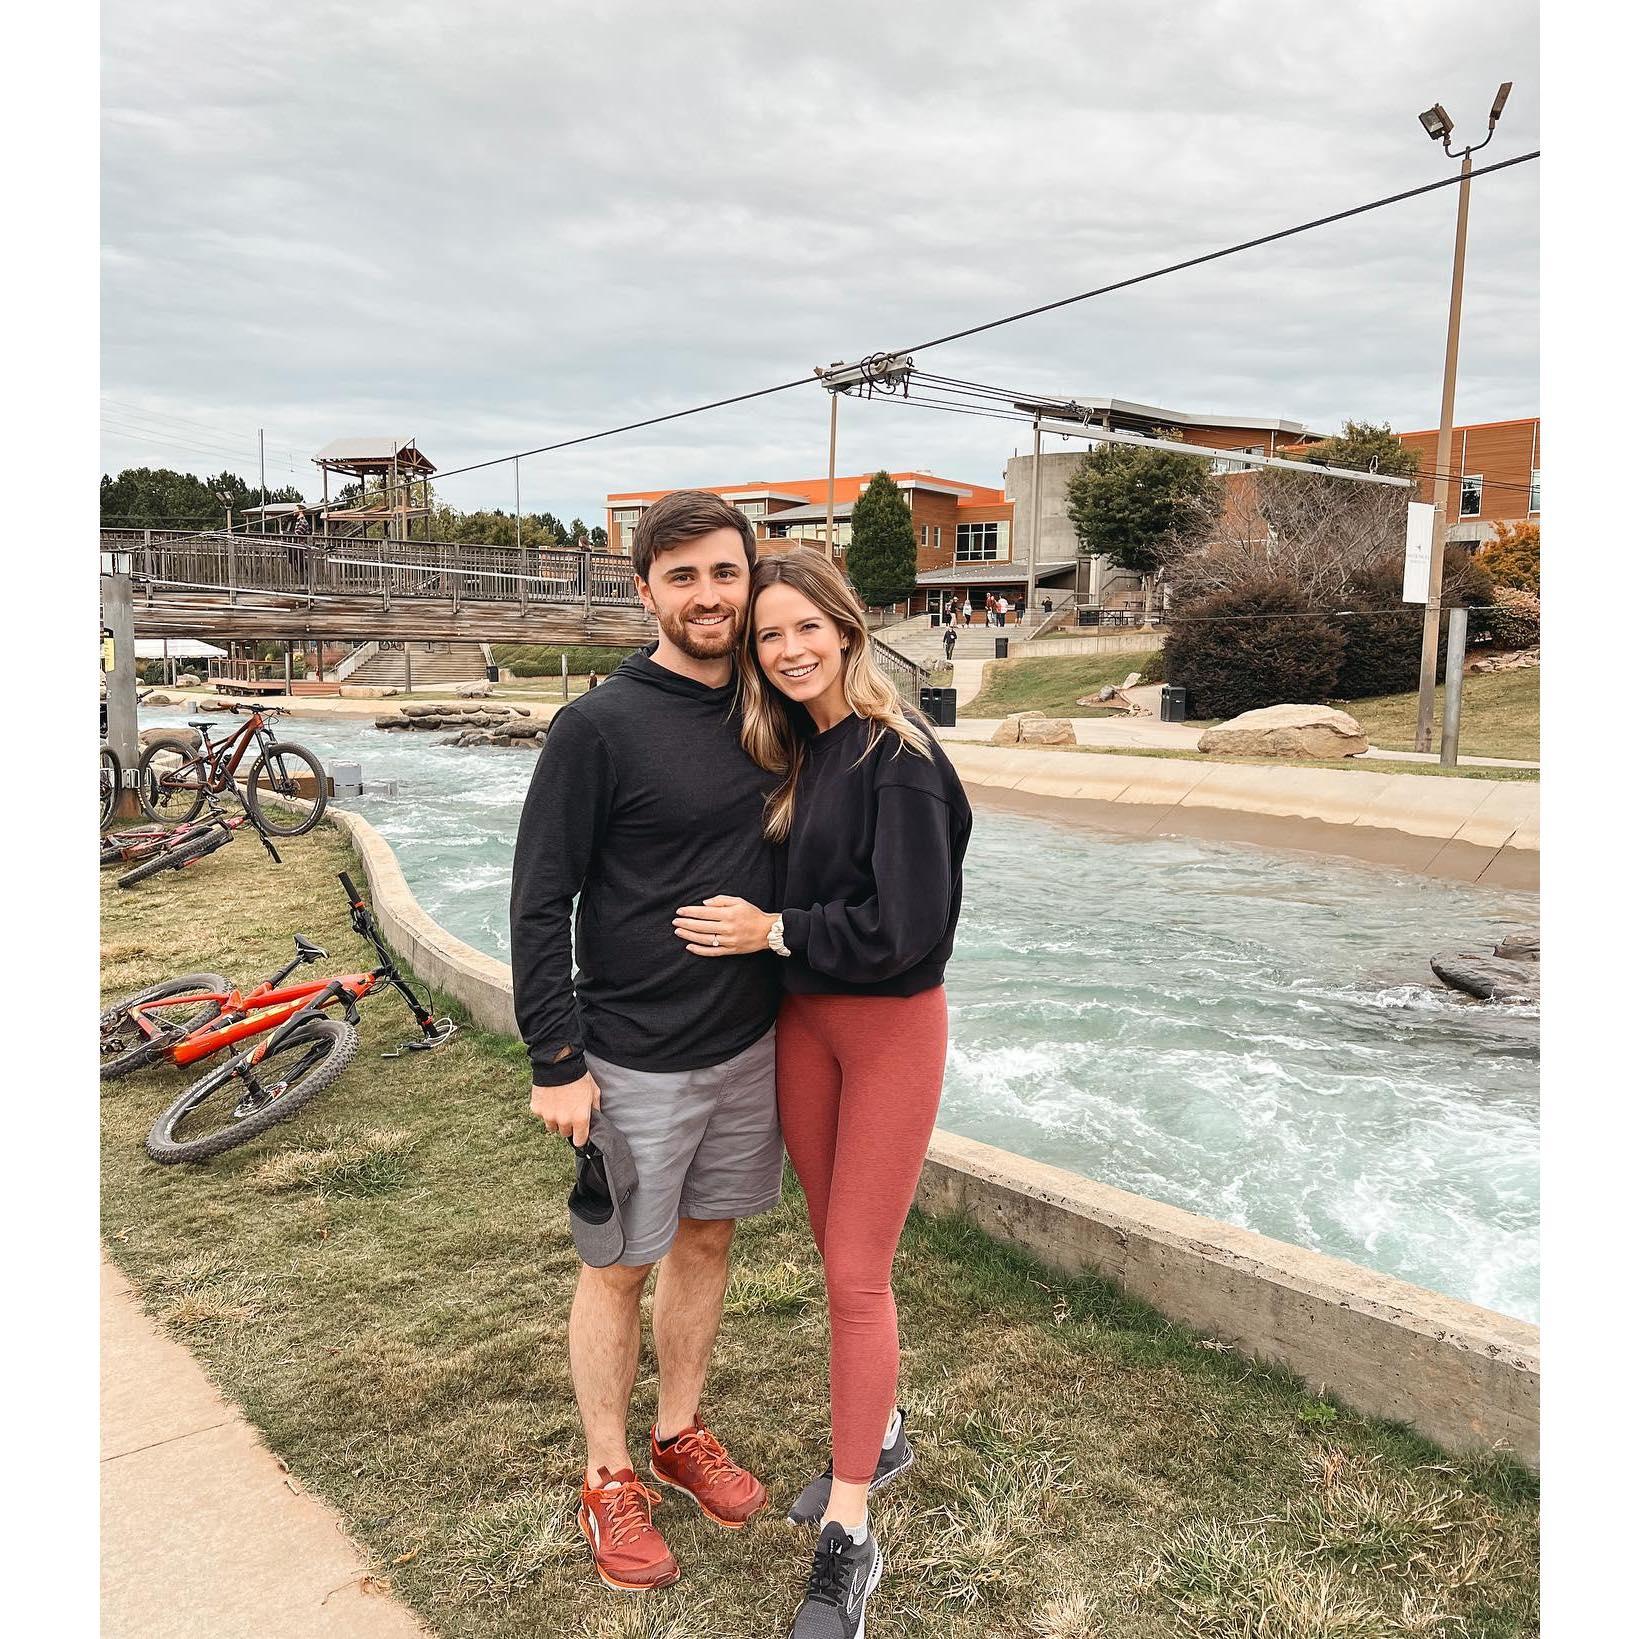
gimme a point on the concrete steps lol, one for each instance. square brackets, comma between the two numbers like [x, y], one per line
[432, 665]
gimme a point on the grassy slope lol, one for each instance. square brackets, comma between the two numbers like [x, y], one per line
[1502, 716]
[383, 1284]
[1051, 685]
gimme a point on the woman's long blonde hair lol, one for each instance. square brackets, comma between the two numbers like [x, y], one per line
[768, 730]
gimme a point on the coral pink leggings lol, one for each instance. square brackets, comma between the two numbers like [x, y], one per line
[859, 1080]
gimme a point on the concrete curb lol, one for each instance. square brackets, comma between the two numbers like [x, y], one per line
[1466, 1377]
[1468, 830]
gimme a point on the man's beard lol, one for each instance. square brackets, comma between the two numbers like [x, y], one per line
[676, 627]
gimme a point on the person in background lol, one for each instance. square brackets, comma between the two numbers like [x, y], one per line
[872, 825]
[950, 641]
[967, 611]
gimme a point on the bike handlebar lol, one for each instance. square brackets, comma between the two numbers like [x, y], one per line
[354, 897]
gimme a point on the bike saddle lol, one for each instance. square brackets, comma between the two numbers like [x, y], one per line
[201, 725]
[308, 951]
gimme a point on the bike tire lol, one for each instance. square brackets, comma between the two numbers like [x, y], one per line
[173, 859]
[264, 783]
[150, 1051]
[331, 1043]
[109, 775]
[183, 790]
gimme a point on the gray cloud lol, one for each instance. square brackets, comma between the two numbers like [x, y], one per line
[494, 225]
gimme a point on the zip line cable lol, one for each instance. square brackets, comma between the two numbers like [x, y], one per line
[1011, 318]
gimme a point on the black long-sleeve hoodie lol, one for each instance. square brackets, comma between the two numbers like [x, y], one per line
[642, 801]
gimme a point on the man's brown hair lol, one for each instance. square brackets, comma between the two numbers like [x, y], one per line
[685, 515]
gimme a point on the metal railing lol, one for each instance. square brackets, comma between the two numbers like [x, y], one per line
[907, 677]
[313, 566]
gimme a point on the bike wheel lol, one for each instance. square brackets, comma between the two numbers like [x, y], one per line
[177, 855]
[271, 792]
[239, 1100]
[110, 773]
[172, 796]
[125, 1048]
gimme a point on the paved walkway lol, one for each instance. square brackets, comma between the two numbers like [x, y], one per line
[1126, 732]
[204, 1535]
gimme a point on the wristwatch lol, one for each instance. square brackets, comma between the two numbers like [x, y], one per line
[776, 937]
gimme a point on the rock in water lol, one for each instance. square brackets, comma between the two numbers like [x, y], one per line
[1287, 731]
[1490, 977]
[1525, 945]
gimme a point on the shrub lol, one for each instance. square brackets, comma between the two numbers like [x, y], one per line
[1516, 619]
[1257, 644]
[1154, 669]
[1383, 644]
[536, 660]
[1514, 558]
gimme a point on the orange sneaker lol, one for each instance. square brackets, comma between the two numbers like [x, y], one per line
[615, 1518]
[697, 1464]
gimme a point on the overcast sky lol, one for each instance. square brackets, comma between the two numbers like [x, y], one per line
[495, 224]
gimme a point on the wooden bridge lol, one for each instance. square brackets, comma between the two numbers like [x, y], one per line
[225, 588]
[311, 590]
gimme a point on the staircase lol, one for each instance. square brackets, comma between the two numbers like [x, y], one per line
[432, 665]
[925, 644]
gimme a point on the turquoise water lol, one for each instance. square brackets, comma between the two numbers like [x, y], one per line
[1248, 1034]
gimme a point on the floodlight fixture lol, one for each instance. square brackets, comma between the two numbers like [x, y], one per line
[1501, 98]
[1437, 122]
[875, 370]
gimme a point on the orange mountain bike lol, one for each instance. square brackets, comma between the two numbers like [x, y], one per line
[301, 1051]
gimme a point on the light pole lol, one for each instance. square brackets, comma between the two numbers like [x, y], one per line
[1437, 123]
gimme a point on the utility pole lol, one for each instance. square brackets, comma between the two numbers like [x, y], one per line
[120, 620]
[261, 456]
[1031, 557]
[831, 487]
[1456, 648]
[1437, 123]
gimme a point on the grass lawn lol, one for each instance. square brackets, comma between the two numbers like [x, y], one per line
[1052, 685]
[382, 1285]
[1502, 716]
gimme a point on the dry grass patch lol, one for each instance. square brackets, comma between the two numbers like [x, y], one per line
[782, 1288]
[363, 1161]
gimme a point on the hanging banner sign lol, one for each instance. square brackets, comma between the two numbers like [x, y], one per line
[108, 654]
[1419, 551]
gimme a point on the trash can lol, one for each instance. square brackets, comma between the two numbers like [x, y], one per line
[1174, 703]
[493, 673]
[933, 617]
[1001, 648]
[1086, 617]
[938, 706]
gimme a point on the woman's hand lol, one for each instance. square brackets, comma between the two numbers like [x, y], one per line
[723, 926]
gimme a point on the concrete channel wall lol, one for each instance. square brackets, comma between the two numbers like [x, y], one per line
[1465, 1377]
[1469, 830]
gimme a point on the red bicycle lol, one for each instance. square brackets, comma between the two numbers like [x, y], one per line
[187, 1020]
[282, 781]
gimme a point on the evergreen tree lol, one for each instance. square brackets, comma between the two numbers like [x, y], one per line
[882, 550]
[160, 498]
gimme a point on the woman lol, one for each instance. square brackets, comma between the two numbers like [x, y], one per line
[872, 824]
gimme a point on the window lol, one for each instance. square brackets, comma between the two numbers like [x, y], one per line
[628, 515]
[811, 534]
[1226, 462]
[1536, 489]
[977, 543]
[1469, 505]
[924, 535]
[753, 509]
[938, 536]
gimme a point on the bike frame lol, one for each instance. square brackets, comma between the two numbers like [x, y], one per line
[213, 755]
[261, 1011]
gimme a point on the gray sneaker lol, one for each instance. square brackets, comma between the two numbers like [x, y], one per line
[844, 1576]
[897, 1456]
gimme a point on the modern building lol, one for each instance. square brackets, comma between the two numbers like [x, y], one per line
[1501, 467]
[973, 539]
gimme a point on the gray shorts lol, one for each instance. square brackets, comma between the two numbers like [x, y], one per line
[706, 1142]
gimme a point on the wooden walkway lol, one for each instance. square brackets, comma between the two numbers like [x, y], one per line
[224, 588]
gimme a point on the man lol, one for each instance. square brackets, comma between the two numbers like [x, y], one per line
[950, 641]
[642, 801]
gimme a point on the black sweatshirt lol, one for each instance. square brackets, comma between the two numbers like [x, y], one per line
[642, 801]
[872, 869]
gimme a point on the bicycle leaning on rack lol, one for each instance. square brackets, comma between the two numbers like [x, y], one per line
[303, 1049]
[173, 794]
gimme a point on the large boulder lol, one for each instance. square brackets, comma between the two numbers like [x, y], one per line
[171, 736]
[474, 691]
[1490, 978]
[1287, 731]
[1034, 728]
[365, 691]
[421, 708]
[189, 680]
